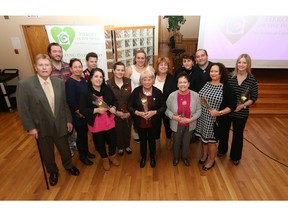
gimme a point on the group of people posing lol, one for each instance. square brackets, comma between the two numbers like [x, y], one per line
[191, 102]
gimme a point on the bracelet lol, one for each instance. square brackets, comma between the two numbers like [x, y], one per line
[220, 113]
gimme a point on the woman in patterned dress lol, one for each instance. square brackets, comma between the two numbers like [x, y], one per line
[218, 99]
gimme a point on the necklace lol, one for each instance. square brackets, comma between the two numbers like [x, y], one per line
[147, 93]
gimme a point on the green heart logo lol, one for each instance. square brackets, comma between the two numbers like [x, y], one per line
[64, 37]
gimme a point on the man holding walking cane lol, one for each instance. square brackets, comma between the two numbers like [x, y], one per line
[42, 107]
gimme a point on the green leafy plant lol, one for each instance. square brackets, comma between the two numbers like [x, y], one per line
[174, 25]
[175, 22]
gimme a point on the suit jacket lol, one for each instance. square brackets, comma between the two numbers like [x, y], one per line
[34, 110]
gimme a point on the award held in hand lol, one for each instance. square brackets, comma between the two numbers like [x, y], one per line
[184, 104]
[144, 102]
[243, 97]
[99, 103]
[205, 103]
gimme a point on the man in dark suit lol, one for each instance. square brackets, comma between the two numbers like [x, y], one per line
[42, 107]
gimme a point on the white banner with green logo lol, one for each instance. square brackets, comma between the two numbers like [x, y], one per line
[78, 40]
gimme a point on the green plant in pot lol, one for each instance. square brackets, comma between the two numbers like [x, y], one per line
[174, 25]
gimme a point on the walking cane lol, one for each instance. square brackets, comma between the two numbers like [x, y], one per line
[42, 165]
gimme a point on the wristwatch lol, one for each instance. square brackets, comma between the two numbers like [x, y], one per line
[244, 106]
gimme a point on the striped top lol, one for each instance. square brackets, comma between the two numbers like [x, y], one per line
[249, 87]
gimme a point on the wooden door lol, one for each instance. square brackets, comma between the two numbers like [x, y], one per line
[37, 40]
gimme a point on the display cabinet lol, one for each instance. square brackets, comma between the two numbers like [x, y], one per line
[123, 42]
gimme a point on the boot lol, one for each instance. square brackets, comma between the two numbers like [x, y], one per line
[106, 164]
[114, 160]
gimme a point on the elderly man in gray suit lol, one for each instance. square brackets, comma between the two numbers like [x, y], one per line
[42, 107]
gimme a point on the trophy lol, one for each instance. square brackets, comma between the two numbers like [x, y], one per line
[184, 103]
[144, 102]
[205, 103]
[243, 97]
[99, 103]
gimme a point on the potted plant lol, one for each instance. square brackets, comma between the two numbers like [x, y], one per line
[174, 25]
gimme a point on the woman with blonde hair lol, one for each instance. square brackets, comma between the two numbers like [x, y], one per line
[140, 64]
[146, 106]
[245, 86]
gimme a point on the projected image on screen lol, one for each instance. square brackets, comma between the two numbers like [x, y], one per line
[264, 38]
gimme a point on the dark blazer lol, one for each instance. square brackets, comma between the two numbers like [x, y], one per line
[34, 110]
[170, 86]
[158, 103]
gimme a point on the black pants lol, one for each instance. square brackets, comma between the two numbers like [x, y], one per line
[168, 131]
[123, 132]
[82, 140]
[101, 138]
[238, 126]
[147, 135]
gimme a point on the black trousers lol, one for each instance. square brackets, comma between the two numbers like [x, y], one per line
[238, 126]
[82, 140]
[147, 135]
[168, 131]
[123, 132]
[101, 138]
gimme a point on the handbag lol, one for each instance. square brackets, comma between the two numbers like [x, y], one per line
[217, 130]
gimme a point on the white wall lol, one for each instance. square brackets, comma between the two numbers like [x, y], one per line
[12, 27]
[190, 29]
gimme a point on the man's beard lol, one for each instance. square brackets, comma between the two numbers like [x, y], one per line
[57, 60]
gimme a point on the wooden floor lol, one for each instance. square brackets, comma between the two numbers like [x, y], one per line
[261, 175]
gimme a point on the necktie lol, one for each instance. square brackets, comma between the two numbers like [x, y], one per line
[49, 95]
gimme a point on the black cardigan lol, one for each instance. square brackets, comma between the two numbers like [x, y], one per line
[170, 86]
[229, 100]
[158, 103]
[87, 107]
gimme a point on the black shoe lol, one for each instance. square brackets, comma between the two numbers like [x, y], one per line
[175, 162]
[236, 162]
[207, 168]
[186, 162]
[142, 162]
[74, 171]
[53, 179]
[203, 161]
[153, 162]
[90, 155]
[220, 155]
[86, 161]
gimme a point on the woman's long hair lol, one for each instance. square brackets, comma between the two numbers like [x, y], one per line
[249, 64]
